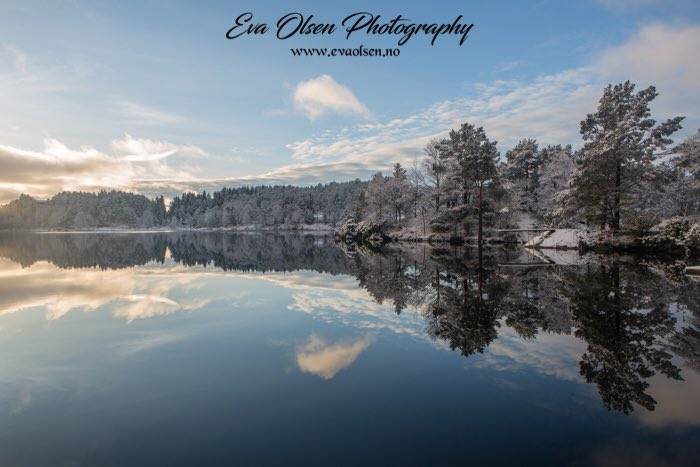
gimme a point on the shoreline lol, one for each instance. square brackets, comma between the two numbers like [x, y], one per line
[137, 230]
[653, 244]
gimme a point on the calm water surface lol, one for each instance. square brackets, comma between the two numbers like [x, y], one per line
[218, 349]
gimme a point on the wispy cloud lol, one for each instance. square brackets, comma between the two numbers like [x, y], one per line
[144, 149]
[144, 115]
[323, 94]
[504, 67]
[58, 167]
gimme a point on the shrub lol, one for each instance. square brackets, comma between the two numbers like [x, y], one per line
[676, 228]
[642, 223]
[692, 238]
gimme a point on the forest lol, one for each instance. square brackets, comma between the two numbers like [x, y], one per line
[629, 179]
[246, 207]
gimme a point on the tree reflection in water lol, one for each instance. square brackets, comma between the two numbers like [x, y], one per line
[621, 311]
[627, 314]
[624, 317]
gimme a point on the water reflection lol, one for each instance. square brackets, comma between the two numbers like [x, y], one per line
[627, 333]
[621, 311]
[627, 315]
[318, 357]
[228, 252]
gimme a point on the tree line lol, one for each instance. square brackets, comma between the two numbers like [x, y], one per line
[628, 175]
[261, 206]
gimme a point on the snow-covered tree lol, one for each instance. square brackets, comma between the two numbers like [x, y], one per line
[621, 143]
[556, 165]
[399, 191]
[522, 169]
[377, 195]
[435, 167]
[359, 207]
[688, 161]
[471, 169]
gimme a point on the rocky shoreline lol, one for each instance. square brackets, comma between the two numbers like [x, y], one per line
[677, 237]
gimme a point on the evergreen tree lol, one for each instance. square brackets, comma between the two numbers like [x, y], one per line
[399, 172]
[621, 143]
[556, 165]
[359, 207]
[435, 167]
[472, 167]
[399, 191]
[688, 160]
[523, 164]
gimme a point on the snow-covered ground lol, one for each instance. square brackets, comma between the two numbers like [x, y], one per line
[557, 238]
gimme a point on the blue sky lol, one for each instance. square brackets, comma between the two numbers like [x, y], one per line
[150, 96]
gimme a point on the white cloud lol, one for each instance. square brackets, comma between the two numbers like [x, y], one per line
[320, 95]
[665, 56]
[58, 167]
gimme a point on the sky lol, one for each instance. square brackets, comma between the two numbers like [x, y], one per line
[151, 97]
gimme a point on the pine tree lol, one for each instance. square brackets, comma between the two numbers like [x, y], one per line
[399, 191]
[399, 172]
[688, 160]
[473, 166]
[621, 142]
[359, 207]
[160, 213]
[435, 167]
[523, 166]
[556, 165]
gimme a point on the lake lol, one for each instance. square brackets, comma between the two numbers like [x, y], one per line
[249, 349]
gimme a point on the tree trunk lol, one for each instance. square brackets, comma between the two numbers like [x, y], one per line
[527, 180]
[616, 201]
[481, 229]
[481, 268]
[437, 196]
[415, 203]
